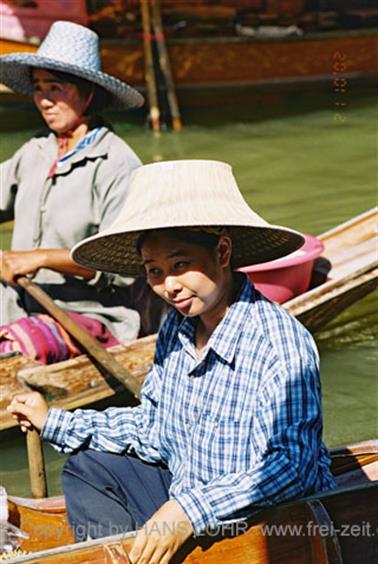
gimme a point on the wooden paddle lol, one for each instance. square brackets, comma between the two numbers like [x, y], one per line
[36, 461]
[105, 360]
[101, 356]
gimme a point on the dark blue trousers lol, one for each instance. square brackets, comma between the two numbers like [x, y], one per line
[107, 494]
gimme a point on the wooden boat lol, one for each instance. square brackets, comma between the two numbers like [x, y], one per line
[282, 64]
[346, 271]
[210, 54]
[336, 527]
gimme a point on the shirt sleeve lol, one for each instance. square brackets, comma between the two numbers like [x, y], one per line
[112, 180]
[111, 185]
[286, 436]
[9, 183]
[116, 430]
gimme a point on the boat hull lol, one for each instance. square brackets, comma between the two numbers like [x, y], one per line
[336, 527]
[289, 533]
[202, 64]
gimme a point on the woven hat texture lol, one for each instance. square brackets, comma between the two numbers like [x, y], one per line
[188, 193]
[70, 48]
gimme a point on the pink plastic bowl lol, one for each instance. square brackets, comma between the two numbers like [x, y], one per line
[283, 279]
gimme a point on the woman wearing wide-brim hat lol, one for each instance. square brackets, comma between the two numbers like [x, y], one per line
[63, 185]
[230, 415]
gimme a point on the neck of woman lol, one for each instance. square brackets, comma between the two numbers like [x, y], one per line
[209, 321]
[70, 138]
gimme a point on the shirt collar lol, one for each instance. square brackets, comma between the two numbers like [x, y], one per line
[95, 149]
[225, 337]
[87, 140]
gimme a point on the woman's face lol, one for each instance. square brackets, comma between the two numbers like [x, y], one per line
[191, 278]
[60, 103]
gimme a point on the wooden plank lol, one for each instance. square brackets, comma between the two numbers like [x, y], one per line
[352, 244]
[350, 251]
[327, 309]
[105, 362]
[9, 385]
[72, 383]
[331, 291]
[354, 222]
[348, 458]
[79, 376]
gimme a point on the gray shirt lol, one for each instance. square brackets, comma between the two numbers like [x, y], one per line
[83, 197]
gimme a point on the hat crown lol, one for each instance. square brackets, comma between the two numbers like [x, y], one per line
[72, 44]
[184, 194]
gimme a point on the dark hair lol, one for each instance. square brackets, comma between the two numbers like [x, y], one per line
[101, 98]
[201, 238]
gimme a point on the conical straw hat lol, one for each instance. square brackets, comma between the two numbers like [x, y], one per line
[71, 48]
[188, 193]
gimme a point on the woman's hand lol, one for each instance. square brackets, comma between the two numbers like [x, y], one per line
[162, 535]
[18, 263]
[30, 410]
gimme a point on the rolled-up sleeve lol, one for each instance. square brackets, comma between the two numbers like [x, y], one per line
[117, 430]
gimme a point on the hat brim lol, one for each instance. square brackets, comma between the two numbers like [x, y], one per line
[117, 252]
[15, 73]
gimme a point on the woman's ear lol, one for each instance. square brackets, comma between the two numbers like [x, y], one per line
[224, 249]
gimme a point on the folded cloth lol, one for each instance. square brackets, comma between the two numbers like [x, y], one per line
[44, 339]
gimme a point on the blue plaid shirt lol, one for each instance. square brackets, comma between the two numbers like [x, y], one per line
[239, 428]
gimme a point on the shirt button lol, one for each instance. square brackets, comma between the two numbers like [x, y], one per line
[43, 208]
[216, 424]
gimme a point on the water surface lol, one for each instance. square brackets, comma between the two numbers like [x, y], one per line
[296, 165]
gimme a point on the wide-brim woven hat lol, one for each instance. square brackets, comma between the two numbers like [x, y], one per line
[187, 194]
[69, 48]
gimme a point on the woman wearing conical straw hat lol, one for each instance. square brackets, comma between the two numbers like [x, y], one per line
[230, 417]
[61, 186]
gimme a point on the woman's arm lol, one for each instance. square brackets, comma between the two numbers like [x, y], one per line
[8, 176]
[116, 429]
[18, 263]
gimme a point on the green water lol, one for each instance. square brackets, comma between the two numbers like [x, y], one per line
[296, 165]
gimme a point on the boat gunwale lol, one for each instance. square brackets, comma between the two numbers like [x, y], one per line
[324, 496]
[342, 227]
